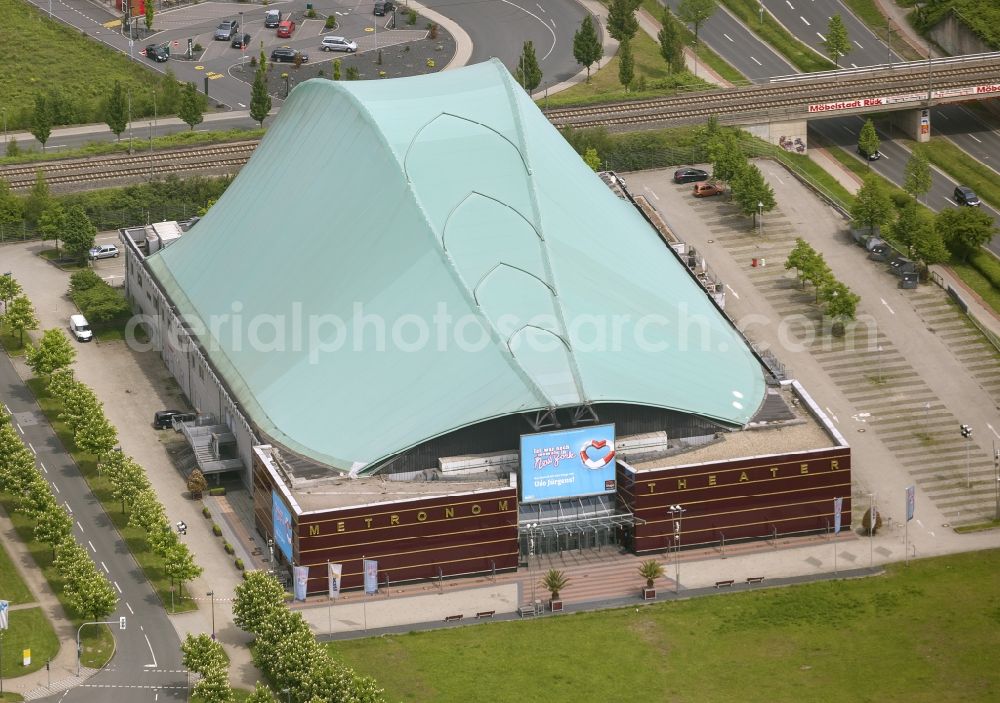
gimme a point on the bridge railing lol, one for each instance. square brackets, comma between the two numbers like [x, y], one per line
[898, 66]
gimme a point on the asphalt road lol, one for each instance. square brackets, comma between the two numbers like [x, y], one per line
[147, 661]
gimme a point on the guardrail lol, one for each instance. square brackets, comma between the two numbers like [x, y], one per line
[899, 66]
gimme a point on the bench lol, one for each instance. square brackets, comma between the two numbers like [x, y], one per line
[452, 618]
[755, 579]
[527, 610]
[485, 614]
[724, 584]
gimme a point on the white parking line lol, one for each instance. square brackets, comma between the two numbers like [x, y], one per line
[976, 138]
[859, 45]
[56, 487]
[948, 200]
[105, 568]
[756, 61]
[539, 7]
[887, 306]
[117, 586]
[728, 37]
[79, 525]
[32, 448]
[19, 427]
[68, 507]
[732, 291]
[821, 37]
[805, 20]
[43, 467]
[993, 430]
[129, 608]
[92, 546]
[789, 3]
[830, 413]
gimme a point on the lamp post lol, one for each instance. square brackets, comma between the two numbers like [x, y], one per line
[888, 41]
[967, 434]
[288, 692]
[761, 8]
[760, 218]
[4, 127]
[211, 594]
[531, 554]
[677, 514]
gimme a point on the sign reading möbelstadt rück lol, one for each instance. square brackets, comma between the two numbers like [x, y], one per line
[568, 463]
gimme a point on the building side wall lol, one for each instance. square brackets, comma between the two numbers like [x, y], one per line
[746, 498]
[422, 538]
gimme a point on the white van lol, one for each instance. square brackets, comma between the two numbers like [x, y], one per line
[272, 18]
[80, 328]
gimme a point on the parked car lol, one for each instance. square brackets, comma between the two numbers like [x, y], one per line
[241, 41]
[285, 54]
[226, 30]
[80, 328]
[338, 44]
[162, 419]
[272, 18]
[103, 251]
[286, 28]
[157, 52]
[874, 156]
[704, 190]
[964, 195]
[383, 6]
[690, 175]
[901, 265]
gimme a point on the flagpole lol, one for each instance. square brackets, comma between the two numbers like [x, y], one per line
[906, 529]
[364, 597]
[329, 599]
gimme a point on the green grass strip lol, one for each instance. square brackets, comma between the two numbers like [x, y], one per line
[771, 31]
[964, 169]
[28, 629]
[151, 563]
[12, 586]
[869, 14]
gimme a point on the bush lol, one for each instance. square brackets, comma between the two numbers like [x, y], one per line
[83, 280]
[987, 265]
[198, 48]
[102, 305]
[311, 13]
[331, 22]
[218, 491]
[411, 17]
[432, 31]
[216, 530]
[239, 564]
[206, 512]
[228, 547]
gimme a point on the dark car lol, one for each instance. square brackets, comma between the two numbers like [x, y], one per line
[690, 175]
[226, 30]
[285, 54]
[383, 6]
[164, 419]
[157, 52]
[241, 41]
[964, 195]
[874, 156]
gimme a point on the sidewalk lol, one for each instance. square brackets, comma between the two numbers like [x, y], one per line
[600, 14]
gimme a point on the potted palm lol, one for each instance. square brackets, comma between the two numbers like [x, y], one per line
[650, 570]
[554, 581]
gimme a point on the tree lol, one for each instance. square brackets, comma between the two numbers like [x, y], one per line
[259, 595]
[17, 464]
[928, 245]
[190, 109]
[9, 288]
[38, 199]
[671, 42]
[147, 513]
[79, 233]
[917, 174]
[964, 230]
[841, 303]
[20, 316]
[626, 64]
[587, 48]
[650, 570]
[53, 352]
[214, 686]
[752, 193]
[127, 478]
[837, 43]
[150, 15]
[528, 74]
[52, 223]
[202, 653]
[52, 527]
[196, 484]
[726, 155]
[621, 23]
[868, 141]
[11, 206]
[180, 565]
[554, 581]
[41, 120]
[872, 205]
[96, 435]
[696, 13]
[336, 69]
[260, 99]
[90, 592]
[169, 92]
[592, 159]
[116, 110]
[260, 694]
[803, 258]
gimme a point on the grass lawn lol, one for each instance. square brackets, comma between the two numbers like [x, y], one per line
[239, 695]
[11, 341]
[963, 168]
[12, 587]
[152, 565]
[39, 53]
[9, 697]
[920, 633]
[798, 54]
[28, 629]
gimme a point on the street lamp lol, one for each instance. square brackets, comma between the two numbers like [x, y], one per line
[967, 433]
[288, 691]
[760, 218]
[211, 594]
[677, 514]
[761, 8]
[531, 553]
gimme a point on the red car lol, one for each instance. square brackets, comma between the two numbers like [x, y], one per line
[286, 28]
[703, 190]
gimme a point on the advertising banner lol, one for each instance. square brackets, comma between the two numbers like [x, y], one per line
[4, 610]
[281, 521]
[301, 576]
[911, 501]
[333, 572]
[371, 576]
[838, 506]
[568, 463]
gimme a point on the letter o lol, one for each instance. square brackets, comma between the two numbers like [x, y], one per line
[421, 516]
[476, 509]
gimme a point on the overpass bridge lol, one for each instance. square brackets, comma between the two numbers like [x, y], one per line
[779, 111]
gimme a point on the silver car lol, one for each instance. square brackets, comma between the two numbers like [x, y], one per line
[226, 30]
[103, 251]
[338, 44]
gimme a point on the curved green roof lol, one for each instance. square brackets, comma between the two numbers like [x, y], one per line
[402, 258]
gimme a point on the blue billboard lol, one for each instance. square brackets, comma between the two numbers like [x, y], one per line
[281, 521]
[568, 463]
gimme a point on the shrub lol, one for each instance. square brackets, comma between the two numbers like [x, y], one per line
[228, 547]
[217, 491]
[206, 512]
[331, 22]
[239, 564]
[12, 148]
[216, 530]
[83, 280]
[198, 48]
[411, 17]
[987, 265]
[311, 13]
[432, 31]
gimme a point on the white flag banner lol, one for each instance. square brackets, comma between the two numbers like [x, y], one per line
[4, 609]
[333, 577]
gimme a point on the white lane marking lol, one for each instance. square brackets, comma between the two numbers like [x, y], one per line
[151, 652]
[788, 2]
[756, 61]
[539, 7]
[805, 20]
[854, 65]
[43, 467]
[732, 291]
[529, 12]
[19, 427]
[117, 586]
[887, 306]
[68, 507]
[821, 37]
[941, 114]
[993, 430]
[949, 201]
[241, 105]
[976, 138]
[56, 487]
[728, 37]
[932, 534]
[553, 23]
[32, 448]
[92, 546]
[79, 525]
[129, 608]
[920, 523]
[830, 413]
[105, 568]
[859, 45]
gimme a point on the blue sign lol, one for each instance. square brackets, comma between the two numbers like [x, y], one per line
[838, 507]
[301, 575]
[568, 463]
[911, 501]
[281, 521]
[371, 575]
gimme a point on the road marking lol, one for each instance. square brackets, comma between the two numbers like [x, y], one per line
[920, 523]
[832, 415]
[92, 546]
[56, 487]
[949, 201]
[553, 23]
[887, 306]
[932, 534]
[118, 587]
[32, 448]
[859, 45]
[79, 525]
[976, 138]
[821, 37]
[529, 12]
[854, 65]
[43, 467]
[150, 651]
[732, 291]
[68, 508]
[787, 2]
[105, 568]
[805, 20]
[993, 430]
[728, 37]
[19, 427]
[539, 7]
[756, 61]
[129, 608]
[241, 105]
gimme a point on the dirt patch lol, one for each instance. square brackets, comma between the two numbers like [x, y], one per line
[647, 630]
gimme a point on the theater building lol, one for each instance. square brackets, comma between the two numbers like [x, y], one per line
[466, 349]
